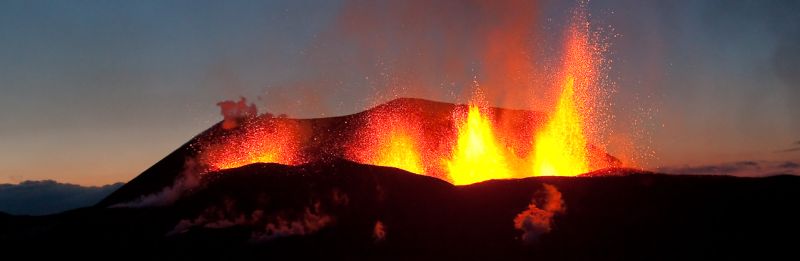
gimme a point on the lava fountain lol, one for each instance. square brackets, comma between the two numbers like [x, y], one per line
[560, 148]
[476, 155]
[388, 138]
[462, 144]
[262, 139]
[399, 150]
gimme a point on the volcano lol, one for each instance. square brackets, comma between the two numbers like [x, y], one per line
[335, 137]
[329, 206]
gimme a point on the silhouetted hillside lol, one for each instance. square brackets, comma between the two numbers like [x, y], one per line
[330, 210]
[48, 197]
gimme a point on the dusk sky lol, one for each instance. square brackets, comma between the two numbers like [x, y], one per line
[94, 92]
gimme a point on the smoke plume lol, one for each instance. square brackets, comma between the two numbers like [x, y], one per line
[536, 221]
[433, 49]
[189, 178]
[233, 112]
[310, 221]
[379, 231]
[218, 217]
[265, 225]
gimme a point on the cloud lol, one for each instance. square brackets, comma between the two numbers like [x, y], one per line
[789, 165]
[536, 221]
[793, 149]
[790, 150]
[739, 169]
[48, 197]
[233, 112]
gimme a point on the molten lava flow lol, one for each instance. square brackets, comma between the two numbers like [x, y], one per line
[269, 140]
[400, 152]
[391, 139]
[398, 149]
[560, 148]
[476, 156]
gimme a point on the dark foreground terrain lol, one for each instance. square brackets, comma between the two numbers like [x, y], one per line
[330, 210]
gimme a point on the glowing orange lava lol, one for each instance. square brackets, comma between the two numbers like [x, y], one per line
[560, 148]
[400, 151]
[270, 140]
[389, 139]
[476, 155]
[394, 148]
[460, 144]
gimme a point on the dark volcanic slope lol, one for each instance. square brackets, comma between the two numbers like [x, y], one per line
[335, 205]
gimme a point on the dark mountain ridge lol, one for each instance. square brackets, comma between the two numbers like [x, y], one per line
[330, 209]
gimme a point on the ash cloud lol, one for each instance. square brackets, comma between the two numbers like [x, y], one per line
[739, 169]
[235, 111]
[538, 218]
[791, 149]
[422, 49]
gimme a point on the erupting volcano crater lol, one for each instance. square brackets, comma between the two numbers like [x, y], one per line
[460, 144]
